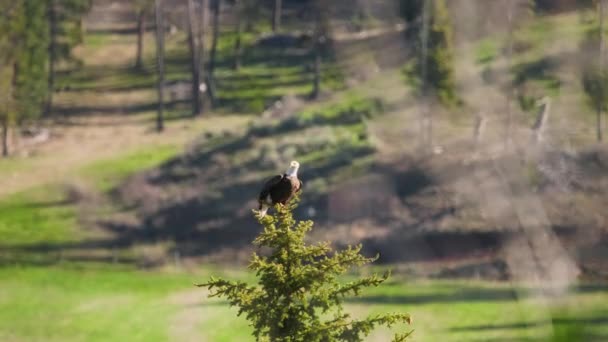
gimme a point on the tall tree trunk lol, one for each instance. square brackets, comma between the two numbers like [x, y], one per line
[4, 119]
[425, 116]
[511, 28]
[160, 56]
[320, 38]
[141, 30]
[600, 108]
[316, 85]
[201, 53]
[239, 31]
[277, 12]
[52, 20]
[194, 62]
[213, 54]
[11, 99]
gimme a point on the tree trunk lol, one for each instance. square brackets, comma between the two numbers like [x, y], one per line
[426, 125]
[600, 109]
[316, 85]
[213, 54]
[194, 62]
[160, 56]
[509, 99]
[5, 151]
[277, 12]
[52, 20]
[239, 31]
[319, 42]
[201, 53]
[141, 30]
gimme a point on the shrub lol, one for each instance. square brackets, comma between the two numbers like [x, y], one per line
[298, 296]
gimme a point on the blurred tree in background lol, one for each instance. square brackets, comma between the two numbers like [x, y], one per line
[432, 72]
[31, 60]
[10, 23]
[595, 76]
[65, 20]
[24, 56]
[34, 37]
[143, 8]
[321, 41]
[299, 297]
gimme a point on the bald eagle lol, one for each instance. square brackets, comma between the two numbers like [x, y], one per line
[280, 188]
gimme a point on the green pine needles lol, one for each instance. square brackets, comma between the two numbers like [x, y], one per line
[299, 297]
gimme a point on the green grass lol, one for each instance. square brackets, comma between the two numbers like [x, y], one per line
[102, 303]
[37, 215]
[43, 214]
[106, 174]
[74, 304]
[486, 52]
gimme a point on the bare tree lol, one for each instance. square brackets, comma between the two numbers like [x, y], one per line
[160, 56]
[320, 42]
[142, 7]
[239, 13]
[277, 13]
[511, 29]
[8, 102]
[194, 57]
[141, 29]
[213, 53]
[541, 120]
[202, 29]
[4, 135]
[52, 20]
[425, 115]
[600, 107]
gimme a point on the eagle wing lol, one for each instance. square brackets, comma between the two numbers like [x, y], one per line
[268, 185]
[300, 185]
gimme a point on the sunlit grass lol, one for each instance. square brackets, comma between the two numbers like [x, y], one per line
[78, 302]
[87, 304]
[105, 174]
[37, 215]
[44, 214]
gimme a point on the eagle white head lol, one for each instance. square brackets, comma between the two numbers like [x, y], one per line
[293, 169]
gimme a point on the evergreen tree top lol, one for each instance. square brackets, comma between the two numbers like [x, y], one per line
[299, 297]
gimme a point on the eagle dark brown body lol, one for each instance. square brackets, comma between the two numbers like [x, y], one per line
[280, 188]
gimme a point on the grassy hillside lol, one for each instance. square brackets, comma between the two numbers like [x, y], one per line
[104, 227]
[358, 147]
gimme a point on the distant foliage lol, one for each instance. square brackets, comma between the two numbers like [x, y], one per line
[594, 77]
[595, 84]
[68, 28]
[440, 81]
[31, 60]
[349, 112]
[26, 33]
[298, 296]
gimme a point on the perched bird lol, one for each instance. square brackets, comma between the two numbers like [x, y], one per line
[280, 188]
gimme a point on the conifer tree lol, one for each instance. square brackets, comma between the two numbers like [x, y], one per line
[436, 47]
[299, 297]
[31, 63]
[595, 74]
[65, 21]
